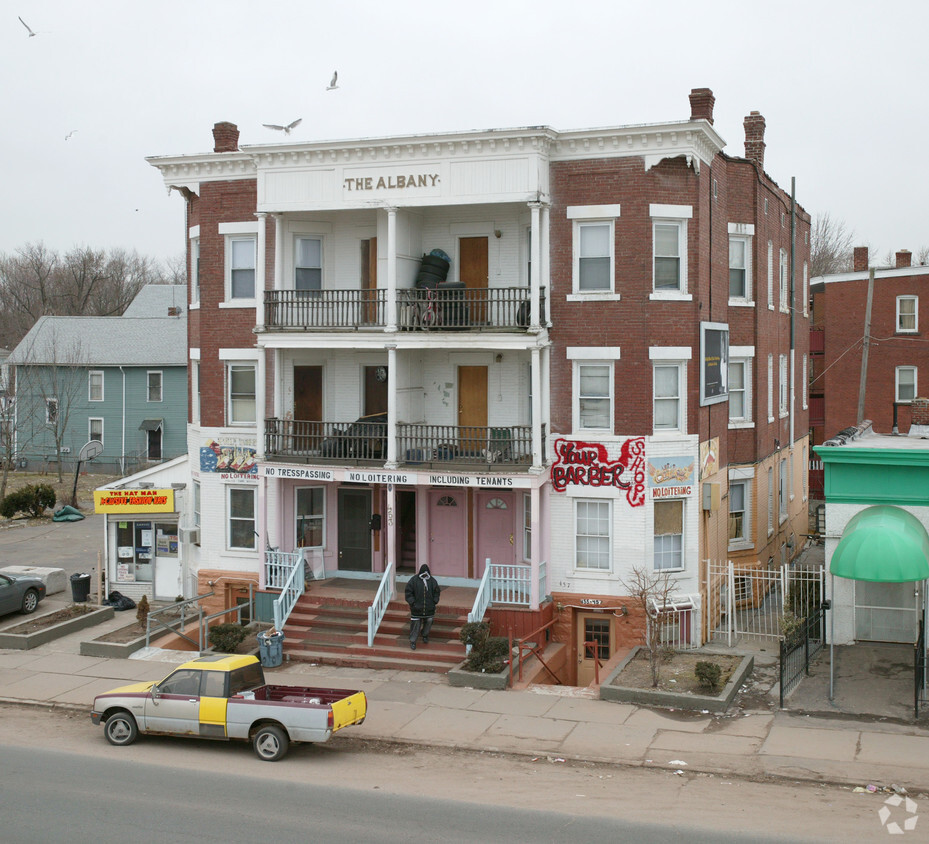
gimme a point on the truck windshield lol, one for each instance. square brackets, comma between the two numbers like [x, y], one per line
[247, 677]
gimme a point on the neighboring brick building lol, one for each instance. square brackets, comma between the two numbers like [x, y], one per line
[551, 420]
[897, 351]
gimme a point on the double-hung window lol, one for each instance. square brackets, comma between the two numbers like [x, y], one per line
[311, 517]
[905, 384]
[770, 388]
[242, 252]
[782, 385]
[907, 314]
[241, 405]
[155, 382]
[592, 534]
[669, 534]
[669, 388]
[669, 250]
[740, 263]
[595, 396]
[195, 270]
[308, 263]
[95, 430]
[95, 385]
[740, 512]
[784, 281]
[740, 387]
[593, 238]
[51, 411]
[770, 276]
[241, 525]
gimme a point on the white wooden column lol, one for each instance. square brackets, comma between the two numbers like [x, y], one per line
[535, 259]
[545, 277]
[278, 390]
[390, 555]
[278, 251]
[535, 374]
[261, 279]
[261, 406]
[391, 407]
[261, 505]
[391, 272]
[545, 371]
[535, 545]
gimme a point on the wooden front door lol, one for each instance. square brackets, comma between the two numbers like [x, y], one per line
[375, 390]
[448, 544]
[496, 530]
[473, 271]
[472, 410]
[308, 408]
[594, 630]
[369, 279]
[355, 529]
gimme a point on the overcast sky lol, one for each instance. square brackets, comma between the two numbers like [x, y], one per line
[840, 84]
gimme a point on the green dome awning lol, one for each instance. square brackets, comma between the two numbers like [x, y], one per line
[883, 544]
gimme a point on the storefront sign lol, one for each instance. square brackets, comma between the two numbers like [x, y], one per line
[134, 501]
[298, 473]
[229, 454]
[673, 477]
[378, 478]
[396, 182]
[587, 464]
[235, 478]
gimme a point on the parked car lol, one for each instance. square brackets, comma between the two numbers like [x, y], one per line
[20, 593]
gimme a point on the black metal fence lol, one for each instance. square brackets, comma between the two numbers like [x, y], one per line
[919, 669]
[798, 649]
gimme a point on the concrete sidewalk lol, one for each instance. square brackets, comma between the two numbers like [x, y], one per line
[555, 722]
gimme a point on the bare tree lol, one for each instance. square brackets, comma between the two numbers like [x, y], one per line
[922, 256]
[831, 246]
[651, 592]
[174, 269]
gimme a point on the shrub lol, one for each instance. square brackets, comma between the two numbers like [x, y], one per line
[44, 499]
[225, 638]
[142, 610]
[33, 499]
[488, 653]
[12, 504]
[708, 674]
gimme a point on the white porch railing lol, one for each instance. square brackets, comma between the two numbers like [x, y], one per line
[543, 581]
[291, 590]
[510, 584]
[279, 565]
[377, 610]
[679, 621]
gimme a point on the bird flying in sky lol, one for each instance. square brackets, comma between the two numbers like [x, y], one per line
[29, 28]
[285, 129]
[334, 80]
[68, 136]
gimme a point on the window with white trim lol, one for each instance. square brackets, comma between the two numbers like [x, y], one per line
[195, 271]
[770, 276]
[310, 508]
[905, 380]
[669, 247]
[308, 263]
[907, 314]
[740, 390]
[95, 385]
[154, 385]
[241, 251]
[196, 503]
[594, 396]
[770, 388]
[804, 384]
[740, 268]
[667, 397]
[527, 527]
[740, 512]
[240, 398]
[784, 281]
[782, 385]
[593, 248]
[240, 502]
[806, 288]
[51, 411]
[593, 534]
[782, 489]
[804, 472]
[95, 429]
[669, 535]
[195, 391]
[770, 500]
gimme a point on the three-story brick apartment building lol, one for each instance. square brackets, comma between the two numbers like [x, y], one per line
[519, 346]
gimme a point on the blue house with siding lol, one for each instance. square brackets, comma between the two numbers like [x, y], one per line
[119, 380]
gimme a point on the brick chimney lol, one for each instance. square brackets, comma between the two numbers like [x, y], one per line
[225, 137]
[920, 411]
[860, 259]
[701, 104]
[904, 258]
[754, 138]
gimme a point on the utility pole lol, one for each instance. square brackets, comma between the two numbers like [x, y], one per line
[865, 346]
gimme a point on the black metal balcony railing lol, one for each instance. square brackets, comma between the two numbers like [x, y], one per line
[365, 442]
[325, 308]
[458, 309]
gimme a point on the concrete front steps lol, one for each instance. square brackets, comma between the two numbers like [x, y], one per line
[331, 631]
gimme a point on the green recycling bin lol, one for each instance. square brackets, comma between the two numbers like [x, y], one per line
[271, 649]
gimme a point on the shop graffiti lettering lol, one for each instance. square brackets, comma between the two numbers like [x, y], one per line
[587, 464]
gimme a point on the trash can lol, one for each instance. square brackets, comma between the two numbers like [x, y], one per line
[271, 649]
[80, 587]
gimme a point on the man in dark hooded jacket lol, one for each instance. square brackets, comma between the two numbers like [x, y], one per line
[422, 594]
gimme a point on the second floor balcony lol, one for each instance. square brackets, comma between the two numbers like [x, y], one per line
[451, 307]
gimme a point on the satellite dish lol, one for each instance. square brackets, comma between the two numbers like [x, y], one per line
[90, 450]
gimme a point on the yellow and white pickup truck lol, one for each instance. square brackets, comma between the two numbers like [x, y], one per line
[226, 697]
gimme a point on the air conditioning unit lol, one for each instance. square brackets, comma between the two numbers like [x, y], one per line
[191, 535]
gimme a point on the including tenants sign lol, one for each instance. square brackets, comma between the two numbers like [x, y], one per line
[134, 501]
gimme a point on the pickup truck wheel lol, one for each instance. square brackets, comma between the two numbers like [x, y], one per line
[270, 743]
[121, 729]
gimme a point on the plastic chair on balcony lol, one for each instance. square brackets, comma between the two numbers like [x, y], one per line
[500, 445]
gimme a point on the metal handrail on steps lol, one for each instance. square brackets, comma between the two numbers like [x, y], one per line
[293, 588]
[153, 621]
[378, 609]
